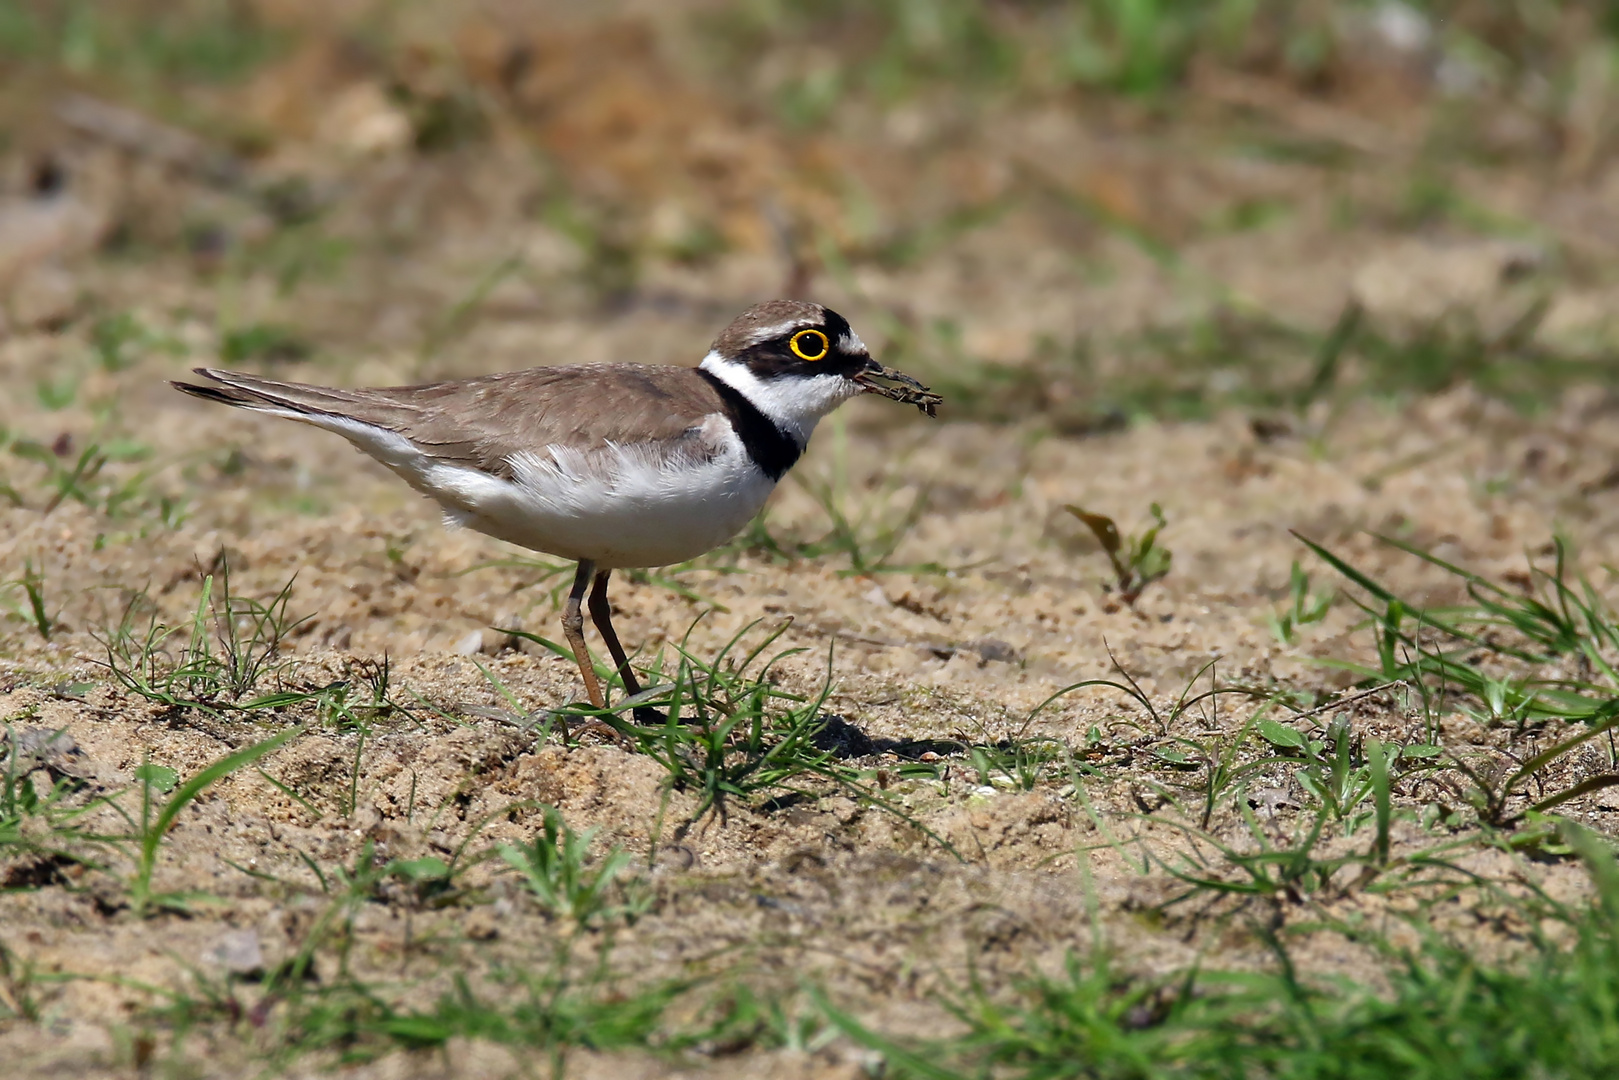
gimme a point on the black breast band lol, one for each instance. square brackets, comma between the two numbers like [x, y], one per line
[771, 448]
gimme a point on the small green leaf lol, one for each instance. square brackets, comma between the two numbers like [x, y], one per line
[1420, 750]
[1278, 734]
[1153, 562]
[157, 777]
[1174, 757]
[420, 1031]
[33, 451]
[57, 395]
[126, 450]
[262, 341]
[1102, 526]
[425, 869]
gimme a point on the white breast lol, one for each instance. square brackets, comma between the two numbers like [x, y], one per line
[619, 505]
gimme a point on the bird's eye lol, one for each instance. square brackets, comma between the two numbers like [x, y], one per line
[809, 345]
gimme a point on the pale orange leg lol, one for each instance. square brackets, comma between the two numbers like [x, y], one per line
[573, 628]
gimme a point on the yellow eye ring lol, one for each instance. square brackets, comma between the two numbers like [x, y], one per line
[809, 345]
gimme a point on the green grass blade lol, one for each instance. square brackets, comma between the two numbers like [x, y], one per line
[152, 834]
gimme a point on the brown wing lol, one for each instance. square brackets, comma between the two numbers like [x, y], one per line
[483, 422]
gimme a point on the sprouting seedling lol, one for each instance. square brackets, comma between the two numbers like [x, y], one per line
[156, 819]
[232, 644]
[555, 867]
[48, 823]
[32, 583]
[1303, 607]
[1137, 561]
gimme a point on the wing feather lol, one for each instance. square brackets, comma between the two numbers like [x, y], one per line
[487, 422]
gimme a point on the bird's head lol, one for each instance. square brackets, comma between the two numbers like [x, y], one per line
[797, 361]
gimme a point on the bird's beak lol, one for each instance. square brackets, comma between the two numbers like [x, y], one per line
[909, 390]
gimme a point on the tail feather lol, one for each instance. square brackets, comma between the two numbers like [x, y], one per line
[299, 399]
[224, 395]
[372, 423]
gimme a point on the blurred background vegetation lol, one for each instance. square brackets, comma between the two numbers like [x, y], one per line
[1084, 211]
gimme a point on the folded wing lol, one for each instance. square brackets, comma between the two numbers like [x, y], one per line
[487, 422]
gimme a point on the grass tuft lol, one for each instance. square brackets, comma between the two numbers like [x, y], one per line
[233, 644]
[554, 867]
[41, 832]
[1442, 1013]
[151, 830]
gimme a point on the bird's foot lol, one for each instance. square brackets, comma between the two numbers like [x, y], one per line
[647, 716]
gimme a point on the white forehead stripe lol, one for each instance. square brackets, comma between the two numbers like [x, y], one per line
[762, 334]
[851, 343]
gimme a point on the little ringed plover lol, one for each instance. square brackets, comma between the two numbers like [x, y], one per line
[613, 466]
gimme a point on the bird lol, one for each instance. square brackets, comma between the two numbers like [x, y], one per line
[612, 466]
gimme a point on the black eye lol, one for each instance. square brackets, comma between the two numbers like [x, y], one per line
[809, 345]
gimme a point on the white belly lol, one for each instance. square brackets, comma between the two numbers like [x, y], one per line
[621, 506]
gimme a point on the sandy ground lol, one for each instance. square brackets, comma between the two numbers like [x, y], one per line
[824, 890]
[830, 889]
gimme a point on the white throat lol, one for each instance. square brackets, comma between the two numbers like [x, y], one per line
[794, 404]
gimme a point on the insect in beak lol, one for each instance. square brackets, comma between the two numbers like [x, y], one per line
[910, 391]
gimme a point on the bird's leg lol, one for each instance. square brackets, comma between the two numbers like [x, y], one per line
[573, 628]
[601, 613]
